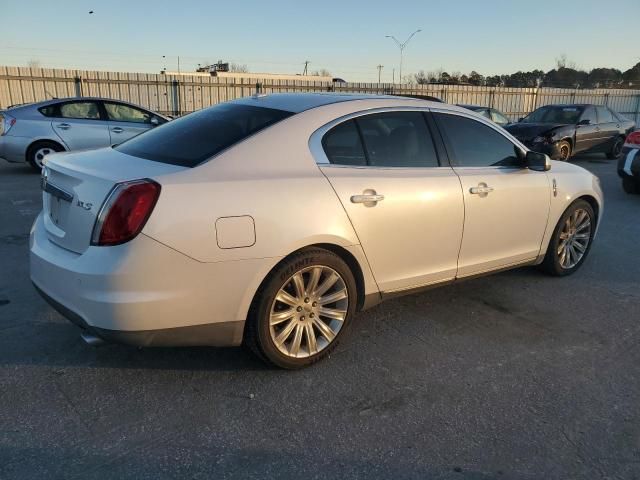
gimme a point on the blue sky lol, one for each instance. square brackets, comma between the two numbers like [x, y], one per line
[347, 38]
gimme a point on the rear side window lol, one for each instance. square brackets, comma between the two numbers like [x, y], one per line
[589, 114]
[191, 139]
[80, 110]
[48, 111]
[343, 146]
[397, 139]
[476, 145]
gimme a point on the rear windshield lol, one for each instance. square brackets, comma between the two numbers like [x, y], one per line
[191, 139]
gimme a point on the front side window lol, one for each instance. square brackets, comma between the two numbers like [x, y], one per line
[397, 139]
[473, 144]
[589, 114]
[604, 115]
[80, 110]
[189, 140]
[124, 113]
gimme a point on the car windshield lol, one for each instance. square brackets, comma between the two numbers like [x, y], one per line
[198, 136]
[554, 114]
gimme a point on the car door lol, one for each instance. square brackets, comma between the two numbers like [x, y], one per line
[608, 129]
[404, 205]
[80, 125]
[126, 121]
[506, 205]
[587, 134]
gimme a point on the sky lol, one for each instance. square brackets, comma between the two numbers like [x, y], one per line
[345, 37]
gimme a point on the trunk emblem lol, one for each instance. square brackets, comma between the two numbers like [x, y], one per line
[87, 206]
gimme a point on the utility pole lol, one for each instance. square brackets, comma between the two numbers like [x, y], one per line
[402, 46]
[393, 76]
[379, 67]
[178, 63]
[306, 64]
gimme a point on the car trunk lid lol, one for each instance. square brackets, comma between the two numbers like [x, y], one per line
[75, 185]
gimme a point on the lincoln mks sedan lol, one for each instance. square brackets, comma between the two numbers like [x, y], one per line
[269, 221]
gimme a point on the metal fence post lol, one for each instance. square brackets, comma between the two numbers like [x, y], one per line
[175, 86]
[77, 83]
[637, 119]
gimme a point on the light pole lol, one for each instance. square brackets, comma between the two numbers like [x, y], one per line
[402, 46]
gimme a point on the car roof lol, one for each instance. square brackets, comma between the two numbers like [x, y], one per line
[299, 102]
[35, 105]
[471, 107]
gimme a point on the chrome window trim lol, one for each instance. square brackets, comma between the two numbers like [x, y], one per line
[321, 159]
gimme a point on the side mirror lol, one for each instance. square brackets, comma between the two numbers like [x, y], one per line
[537, 161]
[584, 121]
[154, 121]
[520, 119]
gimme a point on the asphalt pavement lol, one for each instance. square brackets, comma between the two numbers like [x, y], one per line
[512, 376]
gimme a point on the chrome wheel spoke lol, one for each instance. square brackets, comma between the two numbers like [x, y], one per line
[580, 248]
[329, 282]
[297, 339]
[314, 278]
[333, 313]
[333, 297]
[325, 330]
[286, 332]
[584, 225]
[298, 283]
[278, 317]
[310, 335]
[287, 298]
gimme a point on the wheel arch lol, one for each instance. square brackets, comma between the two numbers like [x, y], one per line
[37, 141]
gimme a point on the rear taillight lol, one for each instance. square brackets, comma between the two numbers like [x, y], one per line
[633, 138]
[6, 122]
[125, 212]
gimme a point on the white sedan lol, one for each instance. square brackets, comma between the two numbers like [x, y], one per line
[271, 220]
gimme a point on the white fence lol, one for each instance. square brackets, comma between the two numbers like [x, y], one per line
[180, 94]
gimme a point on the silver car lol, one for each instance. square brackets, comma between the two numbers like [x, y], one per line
[30, 132]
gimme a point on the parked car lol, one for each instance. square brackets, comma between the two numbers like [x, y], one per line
[629, 164]
[30, 132]
[270, 220]
[492, 114]
[562, 131]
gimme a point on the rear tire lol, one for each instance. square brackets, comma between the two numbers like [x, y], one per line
[631, 185]
[302, 309]
[616, 149]
[571, 240]
[37, 152]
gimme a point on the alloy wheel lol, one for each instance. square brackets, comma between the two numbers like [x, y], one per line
[565, 151]
[574, 239]
[308, 311]
[41, 153]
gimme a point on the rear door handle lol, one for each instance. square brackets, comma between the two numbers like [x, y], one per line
[117, 130]
[369, 199]
[64, 126]
[482, 189]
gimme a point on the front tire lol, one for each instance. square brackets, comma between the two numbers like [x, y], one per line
[571, 240]
[302, 310]
[39, 150]
[631, 185]
[564, 150]
[616, 149]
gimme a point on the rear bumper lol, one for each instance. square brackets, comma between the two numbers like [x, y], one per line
[14, 149]
[142, 292]
[629, 162]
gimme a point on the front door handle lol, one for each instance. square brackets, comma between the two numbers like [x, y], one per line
[117, 130]
[482, 190]
[64, 126]
[370, 198]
